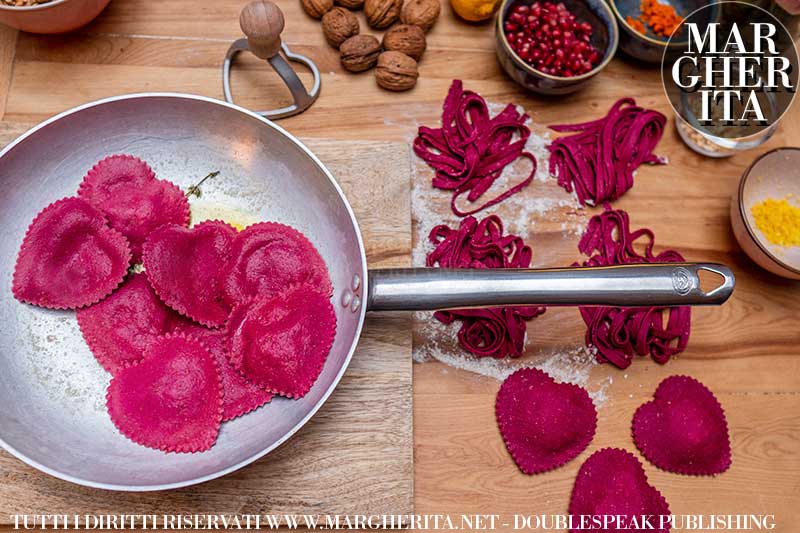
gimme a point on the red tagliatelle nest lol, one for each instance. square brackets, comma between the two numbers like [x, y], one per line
[495, 332]
[171, 400]
[543, 423]
[599, 159]
[70, 257]
[612, 485]
[470, 150]
[620, 332]
[683, 429]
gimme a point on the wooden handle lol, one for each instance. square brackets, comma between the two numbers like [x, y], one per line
[262, 23]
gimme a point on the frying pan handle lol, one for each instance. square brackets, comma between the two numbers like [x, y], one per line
[425, 289]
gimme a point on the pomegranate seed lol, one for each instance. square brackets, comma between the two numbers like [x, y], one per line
[547, 36]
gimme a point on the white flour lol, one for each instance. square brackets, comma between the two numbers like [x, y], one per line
[573, 365]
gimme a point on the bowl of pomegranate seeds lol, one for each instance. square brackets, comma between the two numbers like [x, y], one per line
[555, 47]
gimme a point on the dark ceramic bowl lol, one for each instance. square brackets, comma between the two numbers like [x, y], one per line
[605, 35]
[650, 47]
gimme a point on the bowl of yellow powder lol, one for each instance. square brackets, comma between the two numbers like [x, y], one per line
[765, 212]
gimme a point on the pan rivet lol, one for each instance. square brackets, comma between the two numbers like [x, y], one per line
[356, 304]
[346, 297]
[356, 282]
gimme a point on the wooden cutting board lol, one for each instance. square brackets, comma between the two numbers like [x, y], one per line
[355, 455]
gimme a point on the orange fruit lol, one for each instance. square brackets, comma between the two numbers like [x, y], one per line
[475, 10]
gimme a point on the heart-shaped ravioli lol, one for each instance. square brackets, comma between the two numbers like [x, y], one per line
[184, 267]
[543, 423]
[683, 429]
[70, 257]
[268, 257]
[116, 173]
[281, 343]
[171, 400]
[125, 189]
[240, 396]
[612, 483]
[122, 327]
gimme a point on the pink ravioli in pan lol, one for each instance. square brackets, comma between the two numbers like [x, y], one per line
[125, 189]
[612, 483]
[281, 343]
[171, 400]
[184, 267]
[70, 257]
[543, 423]
[120, 328]
[683, 429]
[240, 396]
[267, 257]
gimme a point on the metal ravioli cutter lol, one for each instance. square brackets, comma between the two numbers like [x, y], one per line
[262, 22]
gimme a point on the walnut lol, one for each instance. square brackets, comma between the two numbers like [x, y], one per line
[396, 71]
[338, 25]
[316, 8]
[351, 4]
[360, 52]
[382, 13]
[422, 13]
[405, 38]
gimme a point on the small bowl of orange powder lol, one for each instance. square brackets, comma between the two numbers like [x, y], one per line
[765, 212]
[646, 25]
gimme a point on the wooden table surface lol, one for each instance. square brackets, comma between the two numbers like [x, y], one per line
[745, 351]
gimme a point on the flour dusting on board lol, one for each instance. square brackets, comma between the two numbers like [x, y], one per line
[541, 213]
[571, 365]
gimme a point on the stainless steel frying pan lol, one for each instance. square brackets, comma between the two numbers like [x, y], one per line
[52, 391]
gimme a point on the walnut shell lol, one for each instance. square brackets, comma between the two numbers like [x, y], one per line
[405, 38]
[422, 13]
[316, 8]
[351, 4]
[382, 13]
[360, 52]
[396, 71]
[338, 25]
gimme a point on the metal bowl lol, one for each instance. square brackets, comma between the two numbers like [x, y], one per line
[52, 390]
[57, 16]
[650, 47]
[772, 175]
[605, 36]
